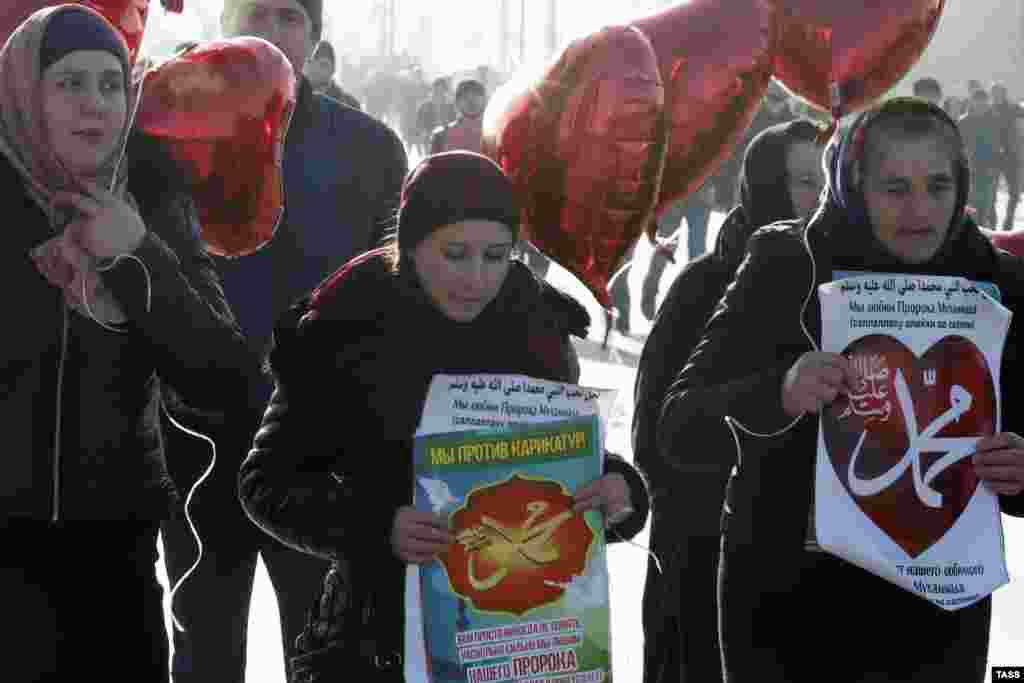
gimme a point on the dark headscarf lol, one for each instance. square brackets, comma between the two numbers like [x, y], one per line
[451, 187]
[764, 190]
[844, 216]
[79, 29]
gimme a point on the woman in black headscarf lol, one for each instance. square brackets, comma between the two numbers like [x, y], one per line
[680, 631]
[445, 298]
[898, 183]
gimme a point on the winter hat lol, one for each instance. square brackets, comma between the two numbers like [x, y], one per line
[79, 29]
[315, 10]
[451, 187]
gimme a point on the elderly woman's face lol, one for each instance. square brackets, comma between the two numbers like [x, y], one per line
[911, 193]
[85, 107]
[463, 265]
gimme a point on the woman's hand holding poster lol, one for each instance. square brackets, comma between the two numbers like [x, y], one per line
[522, 595]
[895, 490]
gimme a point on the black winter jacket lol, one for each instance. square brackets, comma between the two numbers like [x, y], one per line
[332, 462]
[755, 336]
[80, 403]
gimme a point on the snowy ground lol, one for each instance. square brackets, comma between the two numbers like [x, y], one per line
[628, 563]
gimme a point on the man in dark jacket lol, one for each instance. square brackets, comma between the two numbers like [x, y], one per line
[343, 172]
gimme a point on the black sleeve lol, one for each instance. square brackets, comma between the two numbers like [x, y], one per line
[174, 298]
[289, 484]
[287, 487]
[752, 339]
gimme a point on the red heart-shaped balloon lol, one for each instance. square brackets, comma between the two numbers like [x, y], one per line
[223, 109]
[584, 145]
[715, 59]
[909, 408]
[128, 16]
[842, 56]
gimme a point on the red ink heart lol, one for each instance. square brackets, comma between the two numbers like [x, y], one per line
[951, 395]
[518, 542]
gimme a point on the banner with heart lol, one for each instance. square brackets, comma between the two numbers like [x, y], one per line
[895, 490]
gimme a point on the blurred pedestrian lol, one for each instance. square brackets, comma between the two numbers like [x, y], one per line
[320, 69]
[980, 131]
[1009, 117]
[466, 132]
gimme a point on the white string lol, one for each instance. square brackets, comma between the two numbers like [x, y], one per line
[129, 124]
[657, 562]
[188, 515]
[731, 421]
[105, 268]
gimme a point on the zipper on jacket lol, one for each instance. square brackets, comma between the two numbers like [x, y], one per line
[55, 516]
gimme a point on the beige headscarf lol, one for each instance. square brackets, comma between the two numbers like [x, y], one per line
[25, 143]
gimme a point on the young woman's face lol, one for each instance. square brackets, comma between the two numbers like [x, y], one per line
[911, 196]
[85, 108]
[463, 265]
[806, 176]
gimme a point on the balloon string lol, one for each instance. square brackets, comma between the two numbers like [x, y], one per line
[657, 562]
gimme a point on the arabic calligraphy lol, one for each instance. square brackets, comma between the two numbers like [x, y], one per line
[871, 399]
[920, 442]
[507, 546]
[901, 286]
[510, 387]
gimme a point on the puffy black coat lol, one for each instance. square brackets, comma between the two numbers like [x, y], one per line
[755, 336]
[332, 462]
[80, 403]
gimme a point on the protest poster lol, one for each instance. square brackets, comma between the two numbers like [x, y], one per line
[895, 489]
[523, 593]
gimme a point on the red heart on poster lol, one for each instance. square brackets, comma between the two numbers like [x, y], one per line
[518, 542]
[900, 443]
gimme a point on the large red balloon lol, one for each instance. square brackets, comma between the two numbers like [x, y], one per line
[222, 110]
[715, 58]
[129, 16]
[584, 144]
[842, 55]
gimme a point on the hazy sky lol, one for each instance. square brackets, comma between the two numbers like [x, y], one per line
[975, 38]
[464, 31]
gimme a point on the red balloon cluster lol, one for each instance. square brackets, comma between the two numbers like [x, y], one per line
[222, 110]
[129, 16]
[842, 56]
[632, 118]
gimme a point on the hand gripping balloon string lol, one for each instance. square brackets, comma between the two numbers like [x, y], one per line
[955, 449]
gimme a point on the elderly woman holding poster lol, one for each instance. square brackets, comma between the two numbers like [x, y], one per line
[898, 183]
[331, 470]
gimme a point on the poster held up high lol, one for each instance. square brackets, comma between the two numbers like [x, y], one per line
[895, 489]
